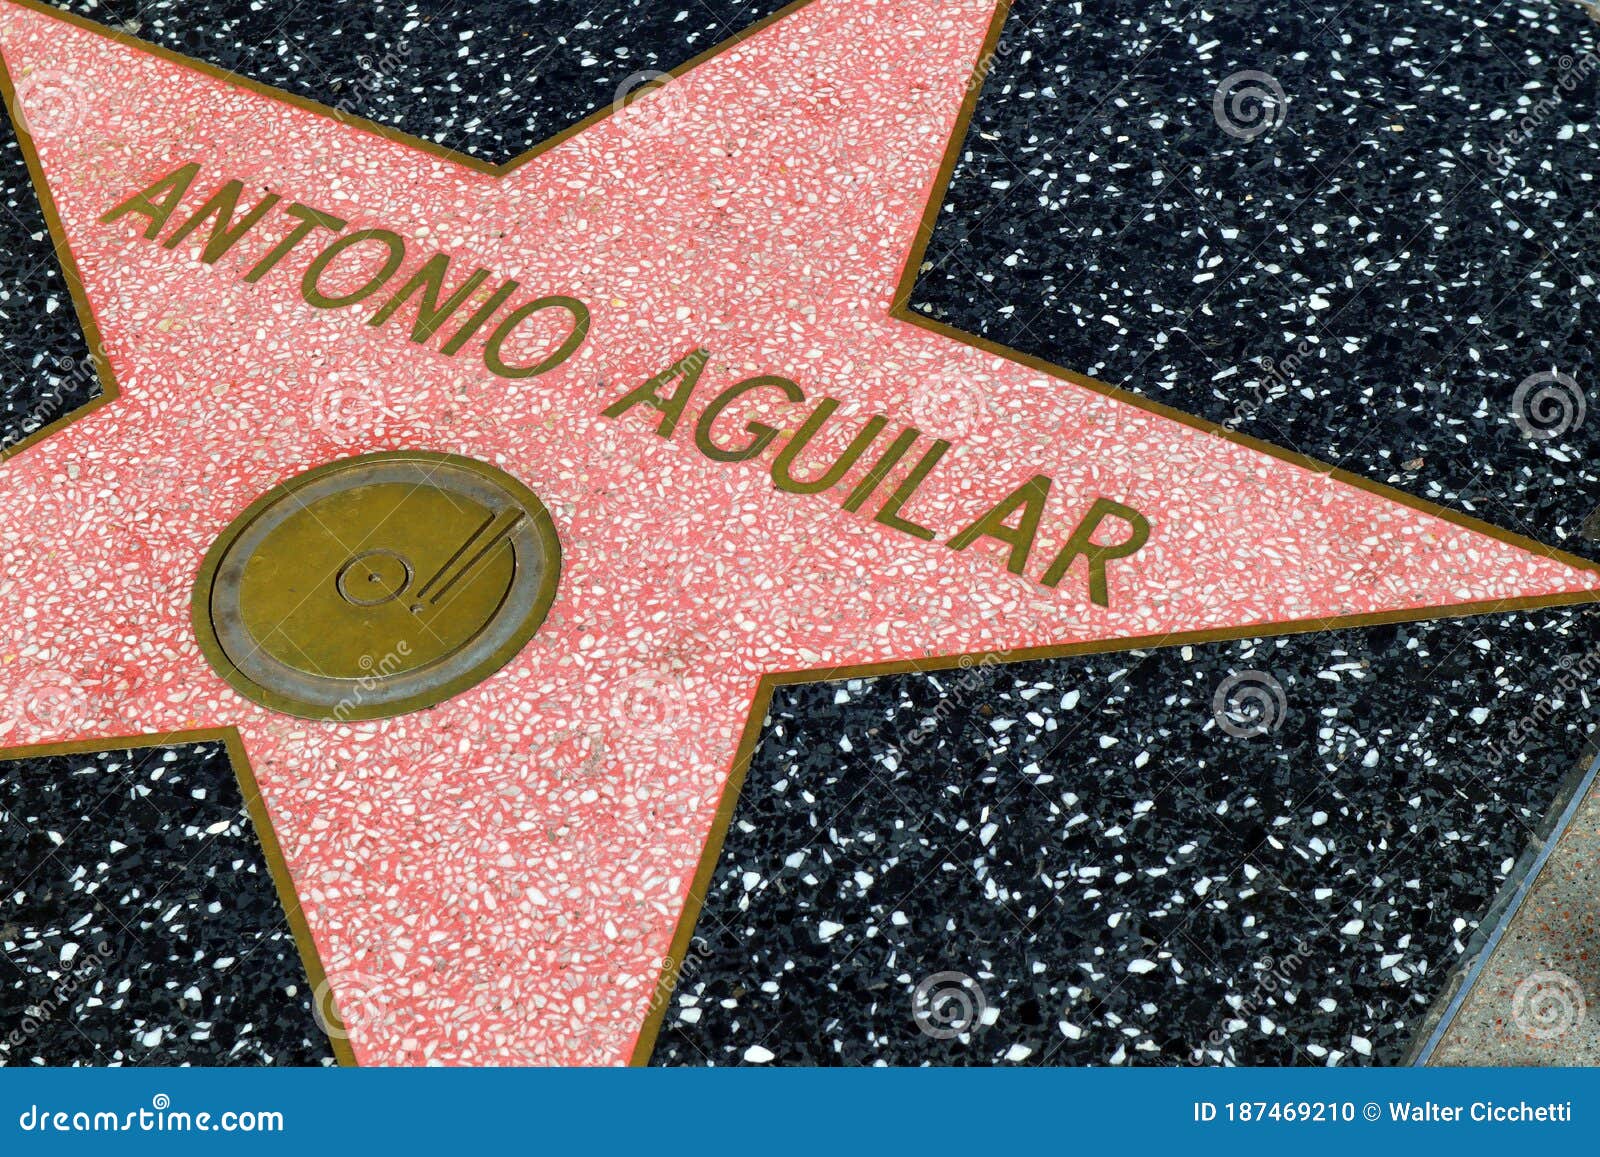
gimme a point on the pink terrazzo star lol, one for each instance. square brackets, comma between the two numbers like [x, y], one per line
[498, 879]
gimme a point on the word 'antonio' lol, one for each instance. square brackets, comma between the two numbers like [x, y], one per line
[349, 268]
[295, 225]
[1013, 521]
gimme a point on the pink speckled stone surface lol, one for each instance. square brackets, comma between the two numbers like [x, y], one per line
[496, 880]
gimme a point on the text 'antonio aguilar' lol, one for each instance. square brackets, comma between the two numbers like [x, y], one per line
[1013, 521]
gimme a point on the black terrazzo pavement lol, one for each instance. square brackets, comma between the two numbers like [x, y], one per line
[1363, 284]
[1095, 196]
[139, 923]
[1119, 880]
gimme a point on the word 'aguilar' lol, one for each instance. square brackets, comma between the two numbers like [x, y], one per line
[1013, 521]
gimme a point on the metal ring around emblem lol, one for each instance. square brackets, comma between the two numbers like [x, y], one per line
[376, 585]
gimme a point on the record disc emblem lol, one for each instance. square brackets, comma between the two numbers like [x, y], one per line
[376, 585]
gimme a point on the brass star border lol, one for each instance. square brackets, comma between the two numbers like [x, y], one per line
[900, 310]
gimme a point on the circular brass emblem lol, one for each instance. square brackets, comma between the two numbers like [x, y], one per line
[377, 585]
